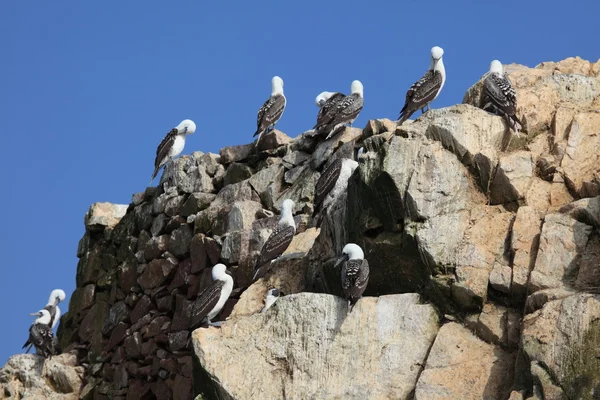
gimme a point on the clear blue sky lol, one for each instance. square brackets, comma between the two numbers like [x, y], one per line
[89, 88]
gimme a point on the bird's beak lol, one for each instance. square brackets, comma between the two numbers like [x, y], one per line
[228, 272]
[341, 260]
[36, 314]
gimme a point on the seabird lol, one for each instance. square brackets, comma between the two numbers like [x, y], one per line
[355, 273]
[325, 101]
[332, 182]
[212, 299]
[426, 89]
[499, 93]
[272, 296]
[172, 145]
[341, 112]
[278, 241]
[56, 296]
[40, 334]
[272, 110]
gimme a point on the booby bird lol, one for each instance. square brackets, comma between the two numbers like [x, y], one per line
[332, 182]
[499, 93]
[355, 273]
[172, 145]
[272, 296]
[341, 112]
[278, 241]
[272, 110]
[56, 296]
[325, 101]
[212, 299]
[426, 89]
[40, 334]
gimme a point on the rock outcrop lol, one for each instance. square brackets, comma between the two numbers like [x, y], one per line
[483, 249]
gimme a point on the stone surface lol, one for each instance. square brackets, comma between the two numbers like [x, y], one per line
[104, 215]
[272, 140]
[28, 376]
[562, 340]
[376, 349]
[236, 153]
[460, 366]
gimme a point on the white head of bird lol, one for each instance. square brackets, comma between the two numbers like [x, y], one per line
[43, 317]
[353, 251]
[357, 87]
[187, 127]
[287, 212]
[56, 296]
[436, 57]
[219, 272]
[496, 67]
[323, 97]
[276, 86]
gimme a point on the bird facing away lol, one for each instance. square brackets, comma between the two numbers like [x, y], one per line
[56, 296]
[272, 110]
[172, 145]
[332, 182]
[272, 296]
[426, 89]
[278, 241]
[355, 273]
[340, 112]
[212, 299]
[325, 101]
[499, 94]
[40, 334]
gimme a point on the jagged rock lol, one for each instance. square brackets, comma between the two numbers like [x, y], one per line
[187, 175]
[204, 251]
[272, 140]
[210, 161]
[496, 324]
[500, 278]
[242, 214]
[236, 153]
[28, 376]
[179, 241]
[156, 246]
[378, 126]
[562, 341]
[104, 215]
[295, 158]
[460, 366]
[119, 312]
[156, 273]
[326, 148]
[586, 211]
[302, 192]
[236, 172]
[195, 203]
[561, 241]
[268, 183]
[375, 357]
[536, 300]
[524, 241]
[513, 178]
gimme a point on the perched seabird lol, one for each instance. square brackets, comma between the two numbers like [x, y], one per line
[40, 334]
[499, 93]
[360, 152]
[272, 296]
[172, 145]
[278, 241]
[212, 299]
[332, 182]
[340, 112]
[426, 89]
[355, 273]
[272, 109]
[56, 296]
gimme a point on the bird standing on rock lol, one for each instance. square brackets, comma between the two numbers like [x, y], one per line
[172, 145]
[340, 111]
[212, 299]
[355, 273]
[426, 89]
[40, 334]
[272, 110]
[499, 94]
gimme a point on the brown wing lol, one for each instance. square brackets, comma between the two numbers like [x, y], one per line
[343, 112]
[162, 151]
[327, 182]
[269, 113]
[42, 338]
[205, 302]
[355, 277]
[327, 106]
[275, 245]
[421, 93]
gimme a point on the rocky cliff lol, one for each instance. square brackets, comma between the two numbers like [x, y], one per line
[484, 250]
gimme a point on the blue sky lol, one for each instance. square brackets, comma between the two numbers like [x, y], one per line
[89, 89]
